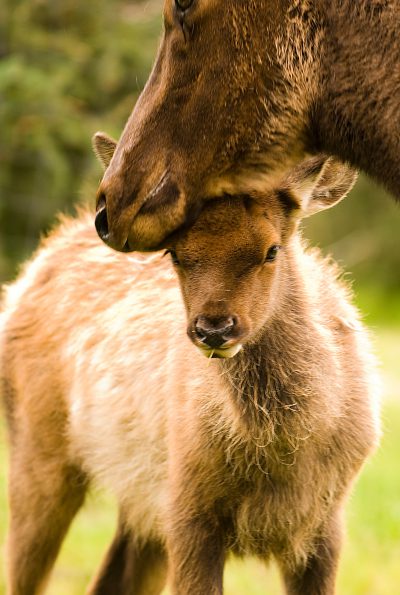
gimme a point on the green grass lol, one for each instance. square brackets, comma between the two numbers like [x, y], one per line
[370, 562]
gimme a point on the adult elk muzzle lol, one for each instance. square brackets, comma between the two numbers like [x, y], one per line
[198, 128]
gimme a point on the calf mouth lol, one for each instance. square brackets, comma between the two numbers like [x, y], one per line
[220, 352]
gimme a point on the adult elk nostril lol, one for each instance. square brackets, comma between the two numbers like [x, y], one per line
[103, 230]
[101, 223]
[214, 332]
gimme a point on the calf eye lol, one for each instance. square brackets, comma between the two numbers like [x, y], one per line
[183, 4]
[272, 253]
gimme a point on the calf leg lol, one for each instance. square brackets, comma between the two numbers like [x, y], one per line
[44, 497]
[318, 575]
[196, 555]
[131, 568]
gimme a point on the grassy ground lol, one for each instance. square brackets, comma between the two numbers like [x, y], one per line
[370, 563]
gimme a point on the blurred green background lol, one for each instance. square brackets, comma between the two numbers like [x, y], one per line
[73, 67]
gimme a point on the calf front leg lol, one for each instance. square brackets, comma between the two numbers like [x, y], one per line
[318, 575]
[196, 555]
[131, 567]
[44, 497]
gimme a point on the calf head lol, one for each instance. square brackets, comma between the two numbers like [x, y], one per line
[232, 263]
[227, 103]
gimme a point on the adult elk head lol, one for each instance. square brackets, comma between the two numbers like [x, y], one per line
[224, 106]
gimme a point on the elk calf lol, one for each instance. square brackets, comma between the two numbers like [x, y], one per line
[251, 452]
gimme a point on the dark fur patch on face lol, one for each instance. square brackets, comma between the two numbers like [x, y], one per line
[287, 200]
[166, 196]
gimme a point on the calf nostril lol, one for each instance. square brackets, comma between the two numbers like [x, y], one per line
[230, 323]
[101, 223]
[214, 332]
[200, 333]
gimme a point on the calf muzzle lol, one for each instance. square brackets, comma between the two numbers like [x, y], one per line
[216, 337]
[214, 332]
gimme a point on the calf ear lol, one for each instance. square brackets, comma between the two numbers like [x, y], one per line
[319, 183]
[104, 147]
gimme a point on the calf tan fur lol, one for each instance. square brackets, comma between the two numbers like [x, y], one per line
[253, 454]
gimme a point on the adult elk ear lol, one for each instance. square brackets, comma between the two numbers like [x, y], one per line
[104, 147]
[319, 183]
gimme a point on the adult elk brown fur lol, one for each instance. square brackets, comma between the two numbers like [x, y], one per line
[251, 453]
[242, 90]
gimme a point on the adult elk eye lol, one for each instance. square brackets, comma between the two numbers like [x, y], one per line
[183, 4]
[272, 253]
[174, 257]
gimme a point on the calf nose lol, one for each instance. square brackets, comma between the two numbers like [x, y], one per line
[214, 332]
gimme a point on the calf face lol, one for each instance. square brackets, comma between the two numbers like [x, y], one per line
[233, 262]
[229, 275]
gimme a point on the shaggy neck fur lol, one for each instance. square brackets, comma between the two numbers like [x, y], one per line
[359, 104]
[270, 379]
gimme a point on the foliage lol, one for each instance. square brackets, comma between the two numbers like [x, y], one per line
[66, 69]
[362, 234]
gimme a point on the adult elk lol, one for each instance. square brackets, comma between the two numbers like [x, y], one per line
[252, 453]
[243, 89]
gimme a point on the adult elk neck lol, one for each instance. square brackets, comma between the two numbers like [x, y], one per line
[356, 114]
